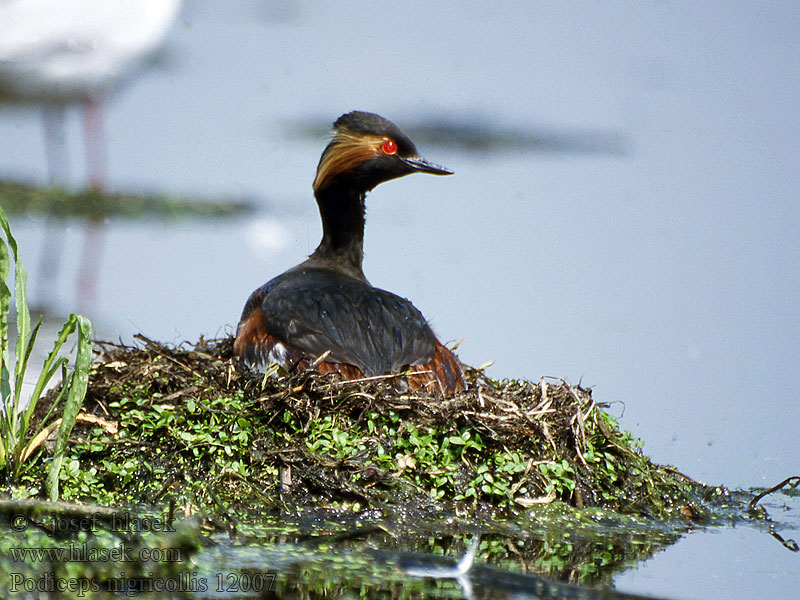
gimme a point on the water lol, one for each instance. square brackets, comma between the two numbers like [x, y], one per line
[661, 269]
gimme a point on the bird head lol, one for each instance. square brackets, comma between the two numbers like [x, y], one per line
[366, 150]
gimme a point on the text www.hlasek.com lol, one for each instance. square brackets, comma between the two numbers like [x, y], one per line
[87, 553]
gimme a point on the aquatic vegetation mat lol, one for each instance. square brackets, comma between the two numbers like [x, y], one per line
[186, 423]
[318, 487]
[22, 198]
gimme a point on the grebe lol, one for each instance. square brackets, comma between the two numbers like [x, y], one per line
[323, 313]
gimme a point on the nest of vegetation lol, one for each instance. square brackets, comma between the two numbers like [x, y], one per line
[185, 424]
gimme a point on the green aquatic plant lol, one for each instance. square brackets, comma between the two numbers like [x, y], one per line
[21, 198]
[18, 439]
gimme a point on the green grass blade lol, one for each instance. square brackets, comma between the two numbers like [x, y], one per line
[7, 416]
[7, 231]
[22, 362]
[20, 278]
[50, 366]
[23, 420]
[5, 304]
[23, 314]
[23, 326]
[5, 389]
[31, 342]
[77, 391]
[5, 260]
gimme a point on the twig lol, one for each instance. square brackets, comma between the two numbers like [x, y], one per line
[791, 482]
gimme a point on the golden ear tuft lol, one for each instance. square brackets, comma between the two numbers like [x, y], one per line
[344, 153]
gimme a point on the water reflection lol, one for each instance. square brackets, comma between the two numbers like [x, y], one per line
[333, 571]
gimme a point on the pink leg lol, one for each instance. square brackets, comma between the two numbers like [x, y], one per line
[96, 172]
[55, 146]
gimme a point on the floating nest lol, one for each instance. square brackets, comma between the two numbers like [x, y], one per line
[186, 424]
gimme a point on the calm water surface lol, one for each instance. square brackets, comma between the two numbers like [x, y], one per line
[633, 224]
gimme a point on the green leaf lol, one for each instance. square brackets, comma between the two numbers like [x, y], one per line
[51, 365]
[77, 391]
[5, 304]
[23, 328]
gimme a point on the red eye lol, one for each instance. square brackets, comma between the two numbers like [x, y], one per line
[389, 147]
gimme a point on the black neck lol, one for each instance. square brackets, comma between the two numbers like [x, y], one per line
[342, 211]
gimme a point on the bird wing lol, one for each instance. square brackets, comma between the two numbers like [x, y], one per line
[372, 329]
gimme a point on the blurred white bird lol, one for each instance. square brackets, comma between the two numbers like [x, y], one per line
[55, 53]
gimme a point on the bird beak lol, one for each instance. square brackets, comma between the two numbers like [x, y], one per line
[423, 166]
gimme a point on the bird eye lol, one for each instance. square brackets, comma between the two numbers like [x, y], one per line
[389, 147]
